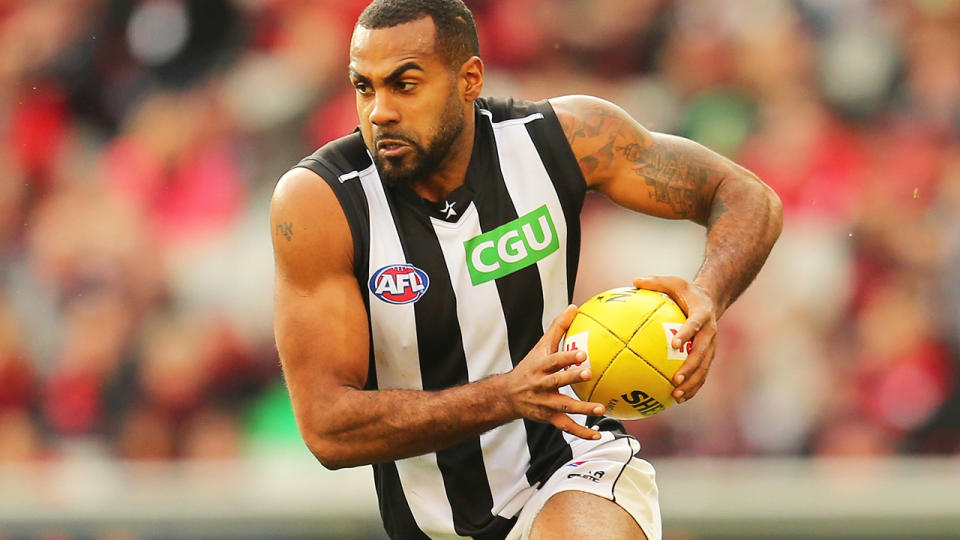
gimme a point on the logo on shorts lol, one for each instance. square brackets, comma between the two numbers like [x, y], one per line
[399, 283]
[593, 476]
[512, 246]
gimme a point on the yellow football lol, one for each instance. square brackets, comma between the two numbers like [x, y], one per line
[626, 334]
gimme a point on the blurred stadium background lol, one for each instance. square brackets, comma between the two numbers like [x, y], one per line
[140, 390]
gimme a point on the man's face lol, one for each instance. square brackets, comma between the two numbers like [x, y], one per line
[408, 102]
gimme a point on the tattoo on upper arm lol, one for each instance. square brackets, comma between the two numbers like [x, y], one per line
[603, 156]
[596, 122]
[285, 229]
[672, 175]
[673, 178]
[665, 177]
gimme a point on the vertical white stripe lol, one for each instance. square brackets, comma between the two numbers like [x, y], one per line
[396, 356]
[530, 188]
[485, 345]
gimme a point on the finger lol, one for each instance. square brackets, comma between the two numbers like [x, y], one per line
[701, 341]
[559, 379]
[693, 384]
[561, 360]
[567, 424]
[558, 328]
[569, 405]
[690, 328]
[698, 377]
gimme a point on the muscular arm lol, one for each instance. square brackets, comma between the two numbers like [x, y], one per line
[676, 178]
[321, 332]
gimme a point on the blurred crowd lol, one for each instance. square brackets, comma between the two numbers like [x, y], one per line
[140, 142]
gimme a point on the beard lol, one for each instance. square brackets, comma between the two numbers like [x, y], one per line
[404, 170]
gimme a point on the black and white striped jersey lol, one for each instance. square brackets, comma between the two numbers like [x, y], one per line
[459, 290]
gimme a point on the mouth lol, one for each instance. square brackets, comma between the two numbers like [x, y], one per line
[393, 147]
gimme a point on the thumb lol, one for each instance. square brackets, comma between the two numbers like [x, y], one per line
[669, 285]
[652, 283]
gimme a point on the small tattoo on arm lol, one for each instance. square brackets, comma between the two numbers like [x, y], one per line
[285, 228]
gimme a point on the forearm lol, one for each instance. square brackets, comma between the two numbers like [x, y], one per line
[744, 222]
[362, 427]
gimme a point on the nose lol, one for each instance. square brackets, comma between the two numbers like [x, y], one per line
[384, 111]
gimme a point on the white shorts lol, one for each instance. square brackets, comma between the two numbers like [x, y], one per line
[607, 471]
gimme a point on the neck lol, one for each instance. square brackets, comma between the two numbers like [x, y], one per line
[452, 171]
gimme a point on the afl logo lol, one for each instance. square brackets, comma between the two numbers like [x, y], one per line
[399, 283]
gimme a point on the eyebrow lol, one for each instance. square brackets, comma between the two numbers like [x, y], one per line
[392, 77]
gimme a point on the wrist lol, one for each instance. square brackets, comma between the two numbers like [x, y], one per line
[497, 388]
[712, 290]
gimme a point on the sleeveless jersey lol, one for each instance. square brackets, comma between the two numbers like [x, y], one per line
[460, 290]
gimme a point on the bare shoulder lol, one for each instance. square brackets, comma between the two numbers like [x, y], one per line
[598, 131]
[584, 117]
[309, 229]
[299, 189]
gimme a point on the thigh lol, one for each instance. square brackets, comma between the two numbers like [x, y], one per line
[578, 515]
[606, 484]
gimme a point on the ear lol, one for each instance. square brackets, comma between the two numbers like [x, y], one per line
[471, 78]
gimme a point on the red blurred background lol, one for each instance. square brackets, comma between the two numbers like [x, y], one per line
[140, 142]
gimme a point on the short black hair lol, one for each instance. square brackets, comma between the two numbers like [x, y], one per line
[456, 38]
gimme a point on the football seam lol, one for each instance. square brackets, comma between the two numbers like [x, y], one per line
[626, 345]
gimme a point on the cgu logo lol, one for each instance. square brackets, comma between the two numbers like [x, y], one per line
[511, 246]
[399, 283]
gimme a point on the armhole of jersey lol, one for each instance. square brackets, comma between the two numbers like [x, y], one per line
[560, 161]
[353, 204]
[568, 181]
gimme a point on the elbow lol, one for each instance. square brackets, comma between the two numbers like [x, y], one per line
[325, 451]
[774, 212]
[329, 453]
[329, 463]
[329, 434]
[761, 202]
[327, 457]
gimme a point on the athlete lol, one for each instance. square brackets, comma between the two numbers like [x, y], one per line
[424, 269]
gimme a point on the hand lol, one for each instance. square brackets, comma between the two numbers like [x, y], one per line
[701, 326]
[533, 384]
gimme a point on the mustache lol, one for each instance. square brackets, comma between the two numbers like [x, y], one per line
[395, 137]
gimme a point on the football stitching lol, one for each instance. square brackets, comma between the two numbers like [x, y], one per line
[602, 373]
[662, 374]
[626, 345]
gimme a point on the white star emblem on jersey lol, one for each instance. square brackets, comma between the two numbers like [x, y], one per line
[448, 210]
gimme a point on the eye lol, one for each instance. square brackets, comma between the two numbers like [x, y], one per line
[362, 88]
[406, 86]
